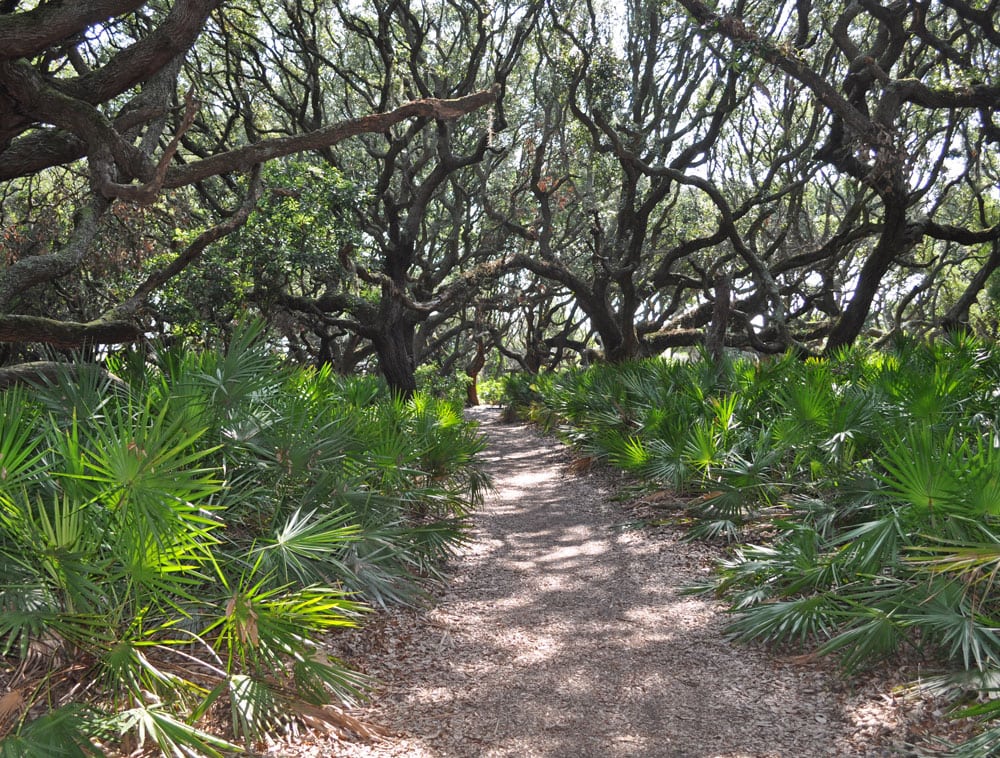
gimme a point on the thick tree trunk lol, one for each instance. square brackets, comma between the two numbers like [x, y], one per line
[622, 344]
[615, 330]
[394, 347]
[397, 367]
[891, 244]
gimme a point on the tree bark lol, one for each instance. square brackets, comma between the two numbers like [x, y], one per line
[24, 34]
[395, 360]
[472, 371]
[715, 339]
[67, 334]
[393, 341]
[892, 242]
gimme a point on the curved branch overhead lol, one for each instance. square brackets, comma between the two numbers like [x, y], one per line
[175, 164]
[32, 32]
[244, 158]
[99, 82]
[897, 81]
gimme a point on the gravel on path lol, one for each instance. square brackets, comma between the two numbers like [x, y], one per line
[564, 633]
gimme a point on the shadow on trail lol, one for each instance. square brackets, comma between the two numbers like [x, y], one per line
[566, 637]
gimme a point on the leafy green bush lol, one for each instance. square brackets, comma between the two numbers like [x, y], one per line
[450, 388]
[178, 540]
[491, 390]
[523, 397]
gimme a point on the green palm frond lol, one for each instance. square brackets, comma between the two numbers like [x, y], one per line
[255, 706]
[983, 745]
[64, 732]
[871, 545]
[666, 465]
[795, 620]
[923, 470]
[628, 453]
[871, 633]
[809, 405]
[816, 513]
[981, 479]
[131, 673]
[171, 735]
[306, 547]
[949, 619]
[703, 449]
[21, 449]
[715, 528]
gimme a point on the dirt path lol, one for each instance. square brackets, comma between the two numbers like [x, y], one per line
[562, 635]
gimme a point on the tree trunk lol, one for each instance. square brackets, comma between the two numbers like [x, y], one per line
[472, 371]
[891, 244]
[715, 339]
[617, 333]
[394, 345]
[395, 360]
[622, 344]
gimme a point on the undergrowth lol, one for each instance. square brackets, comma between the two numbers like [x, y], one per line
[178, 535]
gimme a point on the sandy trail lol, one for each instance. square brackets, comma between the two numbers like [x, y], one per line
[564, 634]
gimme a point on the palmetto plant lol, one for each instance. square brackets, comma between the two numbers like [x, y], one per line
[177, 540]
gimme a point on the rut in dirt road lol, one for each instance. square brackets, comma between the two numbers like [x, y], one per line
[564, 635]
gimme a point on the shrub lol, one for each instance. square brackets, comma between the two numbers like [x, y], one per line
[181, 538]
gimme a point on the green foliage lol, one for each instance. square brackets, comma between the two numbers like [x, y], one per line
[871, 480]
[185, 535]
[491, 390]
[450, 387]
[290, 243]
[522, 395]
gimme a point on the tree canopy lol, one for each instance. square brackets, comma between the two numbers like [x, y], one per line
[393, 183]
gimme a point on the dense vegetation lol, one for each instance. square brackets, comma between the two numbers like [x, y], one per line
[177, 537]
[432, 189]
[864, 490]
[396, 183]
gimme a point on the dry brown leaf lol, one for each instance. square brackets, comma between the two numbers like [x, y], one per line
[12, 703]
[326, 717]
[581, 465]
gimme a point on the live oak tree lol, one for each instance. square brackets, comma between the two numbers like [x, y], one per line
[580, 204]
[416, 252]
[782, 181]
[90, 100]
[908, 96]
[624, 195]
[751, 175]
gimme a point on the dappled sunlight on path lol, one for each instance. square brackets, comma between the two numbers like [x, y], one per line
[562, 635]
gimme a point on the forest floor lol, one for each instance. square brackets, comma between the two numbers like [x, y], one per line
[564, 632]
